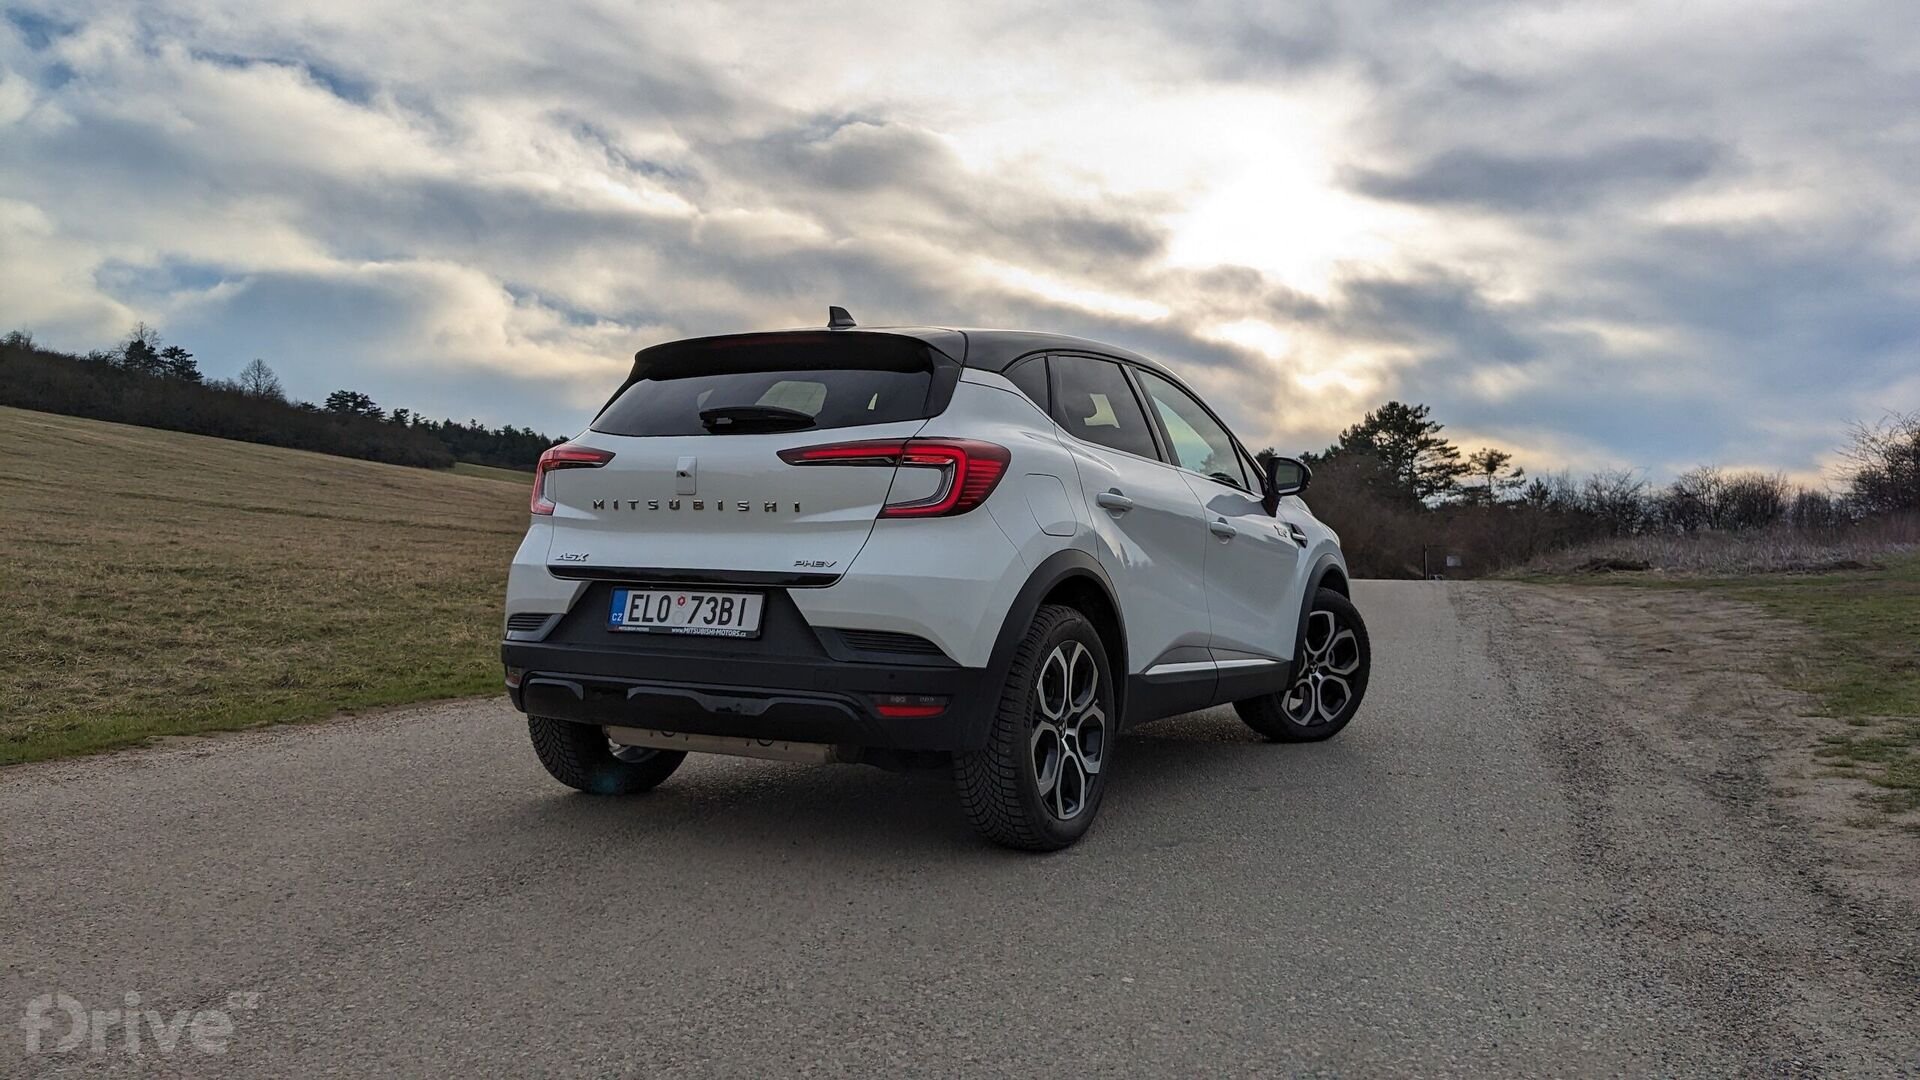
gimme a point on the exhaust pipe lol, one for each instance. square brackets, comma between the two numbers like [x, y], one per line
[732, 746]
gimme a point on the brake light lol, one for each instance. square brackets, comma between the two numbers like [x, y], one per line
[564, 456]
[970, 469]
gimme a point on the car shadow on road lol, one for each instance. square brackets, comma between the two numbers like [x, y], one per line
[755, 809]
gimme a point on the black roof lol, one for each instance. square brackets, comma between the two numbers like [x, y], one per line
[994, 350]
[987, 350]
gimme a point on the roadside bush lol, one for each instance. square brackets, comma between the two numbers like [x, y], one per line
[1753, 501]
[1813, 510]
[1616, 501]
[1779, 549]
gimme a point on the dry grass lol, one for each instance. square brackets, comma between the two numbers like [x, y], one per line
[161, 583]
[489, 472]
[1770, 551]
[1860, 594]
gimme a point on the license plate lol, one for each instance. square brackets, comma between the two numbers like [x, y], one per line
[686, 611]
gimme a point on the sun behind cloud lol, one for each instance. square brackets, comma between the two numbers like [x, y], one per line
[1589, 236]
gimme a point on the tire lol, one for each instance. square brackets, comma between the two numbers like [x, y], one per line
[1039, 781]
[1332, 661]
[583, 758]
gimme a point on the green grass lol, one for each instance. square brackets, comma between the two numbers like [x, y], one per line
[160, 583]
[1867, 672]
[489, 472]
[1868, 623]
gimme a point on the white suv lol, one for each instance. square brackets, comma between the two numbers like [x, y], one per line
[917, 547]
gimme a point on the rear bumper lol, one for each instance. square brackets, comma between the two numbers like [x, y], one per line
[792, 698]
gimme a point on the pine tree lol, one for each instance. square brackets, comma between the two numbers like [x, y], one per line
[141, 353]
[353, 403]
[1416, 464]
[1498, 478]
[177, 363]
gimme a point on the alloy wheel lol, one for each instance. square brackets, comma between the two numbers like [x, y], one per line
[1329, 658]
[1069, 739]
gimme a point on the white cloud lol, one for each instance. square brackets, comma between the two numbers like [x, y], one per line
[1633, 234]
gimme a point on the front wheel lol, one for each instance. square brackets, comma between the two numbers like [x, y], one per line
[1039, 780]
[1331, 663]
[583, 758]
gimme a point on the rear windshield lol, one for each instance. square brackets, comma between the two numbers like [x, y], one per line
[800, 384]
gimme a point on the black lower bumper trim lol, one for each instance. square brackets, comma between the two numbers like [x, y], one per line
[790, 698]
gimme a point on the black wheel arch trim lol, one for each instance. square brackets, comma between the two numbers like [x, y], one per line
[1324, 568]
[1055, 570]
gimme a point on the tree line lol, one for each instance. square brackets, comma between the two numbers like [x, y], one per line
[145, 381]
[1400, 493]
[1402, 496]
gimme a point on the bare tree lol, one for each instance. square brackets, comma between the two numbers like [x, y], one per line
[1617, 498]
[258, 380]
[1883, 465]
[1693, 500]
[1752, 501]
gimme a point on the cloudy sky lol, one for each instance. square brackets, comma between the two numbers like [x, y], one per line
[1619, 234]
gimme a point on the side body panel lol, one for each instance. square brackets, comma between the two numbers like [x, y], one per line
[1154, 551]
[531, 589]
[951, 580]
[1253, 576]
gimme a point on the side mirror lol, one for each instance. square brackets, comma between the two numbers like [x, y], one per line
[1285, 476]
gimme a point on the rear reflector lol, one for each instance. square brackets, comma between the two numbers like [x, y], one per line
[564, 456]
[908, 707]
[970, 469]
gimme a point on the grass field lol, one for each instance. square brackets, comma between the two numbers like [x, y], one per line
[1868, 622]
[1867, 672]
[488, 472]
[160, 583]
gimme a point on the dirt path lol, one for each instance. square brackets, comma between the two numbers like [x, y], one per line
[1704, 679]
[1727, 849]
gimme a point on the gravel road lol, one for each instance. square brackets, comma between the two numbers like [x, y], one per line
[1491, 871]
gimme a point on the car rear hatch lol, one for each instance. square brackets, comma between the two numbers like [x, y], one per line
[696, 488]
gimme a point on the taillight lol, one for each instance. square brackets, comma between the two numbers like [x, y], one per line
[564, 456]
[970, 469]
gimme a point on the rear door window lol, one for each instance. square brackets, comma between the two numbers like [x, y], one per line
[1096, 403]
[724, 387]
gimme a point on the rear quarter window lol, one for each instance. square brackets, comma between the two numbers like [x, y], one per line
[1030, 375]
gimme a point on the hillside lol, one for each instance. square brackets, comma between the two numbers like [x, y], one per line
[164, 583]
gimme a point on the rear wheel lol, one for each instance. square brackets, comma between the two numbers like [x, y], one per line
[1331, 664]
[583, 758]
[1038, 783]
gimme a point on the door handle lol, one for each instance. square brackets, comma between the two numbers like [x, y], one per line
[1114, 501]
[1296, 534]
[1221, 528]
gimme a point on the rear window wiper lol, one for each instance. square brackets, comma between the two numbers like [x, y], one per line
[730, 418]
